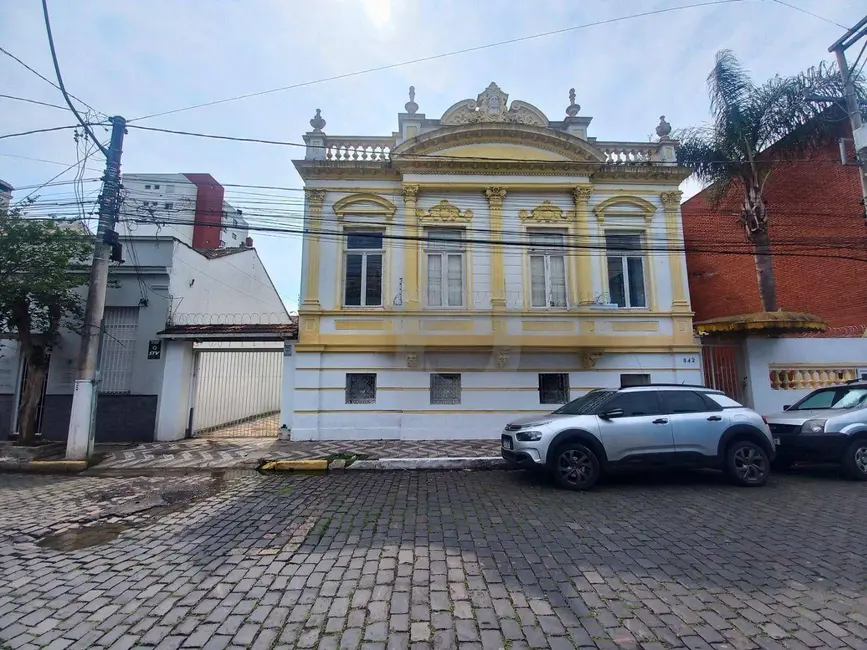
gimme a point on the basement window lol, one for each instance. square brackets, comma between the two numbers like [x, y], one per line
[553, 388]
[169, 205]
[360, 388]
[445, 388]
[634, 380]
[147, 187]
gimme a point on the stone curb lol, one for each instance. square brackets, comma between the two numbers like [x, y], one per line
[477, 462]
[44, 466]
[320, 465]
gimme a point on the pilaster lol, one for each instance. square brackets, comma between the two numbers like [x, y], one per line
[671, 204]
[582, 235]
[311, 250]
[411, 247]
[495, 196]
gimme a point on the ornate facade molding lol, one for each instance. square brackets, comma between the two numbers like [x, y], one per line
[445, 212]
[670, 200]
[644, 207]
[314, 198]
[582, 193]
[547, 212]
[409, 192]
[492, 106]
[364, 203]
[589, 358]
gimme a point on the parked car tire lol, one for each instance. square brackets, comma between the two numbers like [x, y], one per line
[782, 464]
[747, 464]
[855, 460]
[576, 467]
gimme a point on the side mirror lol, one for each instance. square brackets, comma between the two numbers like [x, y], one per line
[611, 413]
[786, 407]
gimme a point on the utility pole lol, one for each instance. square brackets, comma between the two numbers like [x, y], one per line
[859, 133]
[79, 444]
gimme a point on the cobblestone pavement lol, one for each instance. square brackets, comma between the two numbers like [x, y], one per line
[431, 560]
[248, 453]
[266, 426]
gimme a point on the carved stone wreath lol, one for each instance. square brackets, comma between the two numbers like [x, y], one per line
[492, 106]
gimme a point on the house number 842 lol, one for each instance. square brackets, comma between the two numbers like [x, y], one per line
[689, 360]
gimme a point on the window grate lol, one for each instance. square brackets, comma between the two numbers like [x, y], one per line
[120, 326]
[361, 388]
[445, 388]
[553, 388]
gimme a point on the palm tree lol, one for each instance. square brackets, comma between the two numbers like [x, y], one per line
[747, 120]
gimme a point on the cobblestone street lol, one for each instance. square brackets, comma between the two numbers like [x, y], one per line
[430, 560]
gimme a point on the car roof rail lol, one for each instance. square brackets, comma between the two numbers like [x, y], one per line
[672, 384]
[858, 380]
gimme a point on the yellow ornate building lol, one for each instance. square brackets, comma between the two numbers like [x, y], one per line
[484, 265]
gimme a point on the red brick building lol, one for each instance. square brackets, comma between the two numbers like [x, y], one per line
[816, 219]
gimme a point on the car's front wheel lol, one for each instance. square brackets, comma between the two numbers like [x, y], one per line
[576, 467]
[747, 463]
[855, 460]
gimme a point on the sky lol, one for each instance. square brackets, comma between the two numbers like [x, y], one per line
[138, 58]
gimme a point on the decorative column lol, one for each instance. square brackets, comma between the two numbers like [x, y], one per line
[582, 269]
[411, 247]
[498, 282]
[671, 204]
[313, 225]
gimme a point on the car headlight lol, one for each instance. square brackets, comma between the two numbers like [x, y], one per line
[813, 426]
[529, 436]
[541, 423]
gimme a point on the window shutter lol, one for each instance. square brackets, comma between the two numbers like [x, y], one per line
[435, 280]
[118, 349]
[558, 281]
[537, 281]
[455, 280]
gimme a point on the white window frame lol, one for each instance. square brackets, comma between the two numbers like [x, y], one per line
[547, 252]
[364, 252]
[624, 256]
[117, 357]
[444, 250]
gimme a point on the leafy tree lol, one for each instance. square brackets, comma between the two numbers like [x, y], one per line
[38, 295]
[732, 151]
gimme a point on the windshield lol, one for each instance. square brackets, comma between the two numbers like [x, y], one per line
[839, 397]
[585, 404]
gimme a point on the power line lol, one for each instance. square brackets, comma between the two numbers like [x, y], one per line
[810, 13]
[44, 78]
[33, 101]
[477, 48]
[48, 130]
[50, 162]
[84, 124]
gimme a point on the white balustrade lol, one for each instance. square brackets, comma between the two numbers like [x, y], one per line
[809, 378]
[358, 149]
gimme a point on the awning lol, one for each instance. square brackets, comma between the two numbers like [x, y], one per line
[242, 332]
[768, 323]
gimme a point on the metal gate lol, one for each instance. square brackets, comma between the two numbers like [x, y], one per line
[722, 368]
[237, 390]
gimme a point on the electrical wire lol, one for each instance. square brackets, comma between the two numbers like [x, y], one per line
[60, 80]
[33, 101]
[53, 128]
[423, 59]
[810, 13]
[46, 79]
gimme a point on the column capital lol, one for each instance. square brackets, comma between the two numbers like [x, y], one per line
[314, 197]
[581, 193]
[670, 200]
[410, 192]
[495, 196]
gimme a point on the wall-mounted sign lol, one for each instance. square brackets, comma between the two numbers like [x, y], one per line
[155, 348]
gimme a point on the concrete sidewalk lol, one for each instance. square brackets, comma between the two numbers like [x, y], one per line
[251, 453]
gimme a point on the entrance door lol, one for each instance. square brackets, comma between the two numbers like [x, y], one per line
[641, 433]
[723, 368]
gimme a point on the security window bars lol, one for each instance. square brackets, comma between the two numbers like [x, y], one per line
[120, 325]
[625, 270]
[553, 388]
[363, 269]
[445, 268]
[547, 269]
[445, 388]
[361, 388]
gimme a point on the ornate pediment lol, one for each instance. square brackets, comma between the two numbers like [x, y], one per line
[445, 212]
[547, 212]
[364, 204]
[492, 106]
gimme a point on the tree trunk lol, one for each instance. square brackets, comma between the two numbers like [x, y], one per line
[755, 222]
[37, 369]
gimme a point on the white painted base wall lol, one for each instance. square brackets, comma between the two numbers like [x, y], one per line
[490, 395]
[762, 354]
[287, 406]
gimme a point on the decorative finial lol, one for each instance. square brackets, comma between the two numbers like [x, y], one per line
[411, 107]
[573, 108]
[663, 129]
[317, 122]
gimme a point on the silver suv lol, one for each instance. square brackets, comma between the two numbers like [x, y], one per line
[658, 425]
[828, 425]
